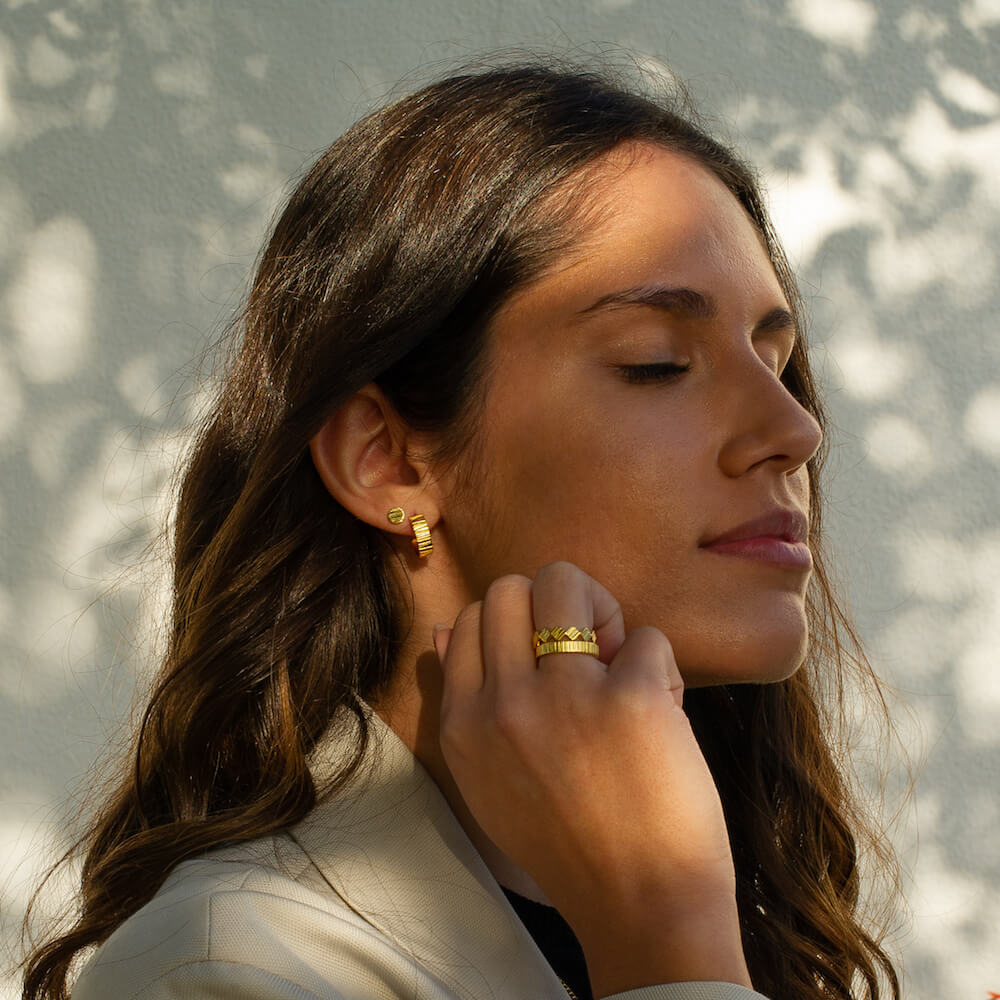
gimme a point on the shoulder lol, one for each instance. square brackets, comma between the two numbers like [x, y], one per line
[255, 920]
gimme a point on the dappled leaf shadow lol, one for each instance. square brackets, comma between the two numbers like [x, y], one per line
[146, 144]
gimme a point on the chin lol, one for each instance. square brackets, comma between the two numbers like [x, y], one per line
[749, 663]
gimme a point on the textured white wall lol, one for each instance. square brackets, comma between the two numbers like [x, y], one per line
[145, 144]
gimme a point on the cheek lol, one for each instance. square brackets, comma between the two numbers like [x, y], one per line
[623, 496]
[645, 533]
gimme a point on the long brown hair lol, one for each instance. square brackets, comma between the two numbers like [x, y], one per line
[411, 230]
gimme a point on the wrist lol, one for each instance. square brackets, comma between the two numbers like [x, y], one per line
[647, 948]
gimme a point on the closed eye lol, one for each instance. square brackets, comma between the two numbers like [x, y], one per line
[659, 372]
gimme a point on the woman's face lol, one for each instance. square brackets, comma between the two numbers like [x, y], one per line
[598, 450]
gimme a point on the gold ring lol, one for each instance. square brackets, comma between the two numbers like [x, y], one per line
[563, 632]
[565, 639]
[567, 646]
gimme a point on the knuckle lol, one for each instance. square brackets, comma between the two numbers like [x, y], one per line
[508, 591]
[652, 640]
[641, 700]
[469, 615]
[651, 672]
[559, 573]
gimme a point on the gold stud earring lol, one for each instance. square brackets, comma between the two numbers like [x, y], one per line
[421, 540]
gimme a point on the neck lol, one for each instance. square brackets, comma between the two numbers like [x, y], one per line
[411, 708]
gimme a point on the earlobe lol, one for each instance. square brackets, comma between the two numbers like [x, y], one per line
[361, 454]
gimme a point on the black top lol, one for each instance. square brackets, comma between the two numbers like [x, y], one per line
[555, 940]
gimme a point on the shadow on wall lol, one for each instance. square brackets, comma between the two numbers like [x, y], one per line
[146, 145]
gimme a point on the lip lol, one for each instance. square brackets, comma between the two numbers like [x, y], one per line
[790, 555]
[777, 537]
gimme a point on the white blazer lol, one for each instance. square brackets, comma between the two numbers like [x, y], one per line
[378, 894]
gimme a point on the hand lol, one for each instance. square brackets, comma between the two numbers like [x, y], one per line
[586, 774]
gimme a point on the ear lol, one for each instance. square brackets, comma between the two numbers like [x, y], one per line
[366, 457]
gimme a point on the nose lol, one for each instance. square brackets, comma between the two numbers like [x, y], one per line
[769, 425]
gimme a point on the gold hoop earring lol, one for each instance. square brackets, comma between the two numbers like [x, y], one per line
[421, 540]
[421, 536]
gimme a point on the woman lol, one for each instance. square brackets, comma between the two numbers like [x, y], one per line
[523, 354]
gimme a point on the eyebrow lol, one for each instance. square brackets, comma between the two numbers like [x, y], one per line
[687, 302]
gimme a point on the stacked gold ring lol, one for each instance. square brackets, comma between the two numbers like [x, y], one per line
[565, 639]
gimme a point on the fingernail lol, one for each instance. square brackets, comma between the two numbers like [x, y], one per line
[439, 641]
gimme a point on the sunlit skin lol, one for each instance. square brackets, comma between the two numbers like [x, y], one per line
[623, 474]
[626, 478]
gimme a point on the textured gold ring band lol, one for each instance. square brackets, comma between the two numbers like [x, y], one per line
[567, 646]
[563, 632]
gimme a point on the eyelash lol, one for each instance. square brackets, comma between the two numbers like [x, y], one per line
[659, 372]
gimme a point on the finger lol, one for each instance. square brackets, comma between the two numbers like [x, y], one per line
[441, 636]
[506, 626]
[462, 664]
[562, 594]
[647, 658]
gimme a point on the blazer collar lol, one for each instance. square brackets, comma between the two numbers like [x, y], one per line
[390, 846]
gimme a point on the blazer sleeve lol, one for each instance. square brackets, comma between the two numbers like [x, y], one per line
[689, 991]
[227, 981]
